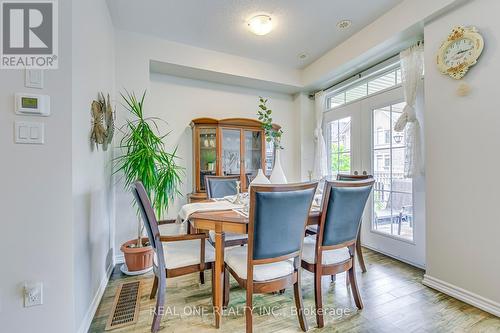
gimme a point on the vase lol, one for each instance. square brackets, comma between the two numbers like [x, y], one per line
[277, 175]
[259, 179]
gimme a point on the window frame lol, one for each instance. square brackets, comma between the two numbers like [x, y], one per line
[342, 88]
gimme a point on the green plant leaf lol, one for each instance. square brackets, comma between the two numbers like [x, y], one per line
[143, 156]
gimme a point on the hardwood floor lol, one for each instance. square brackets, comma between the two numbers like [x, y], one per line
[394, 299]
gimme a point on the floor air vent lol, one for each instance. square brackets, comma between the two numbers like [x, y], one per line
[125, 310]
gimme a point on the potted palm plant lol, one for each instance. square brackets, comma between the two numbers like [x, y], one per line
[144, 157]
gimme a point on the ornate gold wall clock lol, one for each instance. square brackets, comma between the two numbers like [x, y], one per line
[460, 51]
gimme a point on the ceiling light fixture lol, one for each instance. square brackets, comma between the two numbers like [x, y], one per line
[302, 56]
[260, 24]
[344, 24]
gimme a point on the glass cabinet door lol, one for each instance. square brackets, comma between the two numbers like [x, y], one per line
[208, 154]
[269, 158]
[253, 154]
[231, 154]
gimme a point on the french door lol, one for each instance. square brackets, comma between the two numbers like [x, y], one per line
[360, 138]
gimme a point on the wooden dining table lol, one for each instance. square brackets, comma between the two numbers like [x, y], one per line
[221, 222]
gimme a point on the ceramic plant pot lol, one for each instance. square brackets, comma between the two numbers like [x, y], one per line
[137, 258]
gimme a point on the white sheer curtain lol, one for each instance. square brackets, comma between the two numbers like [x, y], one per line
[320, 161]
[412, 62]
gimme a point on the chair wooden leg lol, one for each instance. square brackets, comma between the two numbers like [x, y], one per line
[202, 277]
[154, 289]
[160, 300]
[359, 254]
[317, 298]
[248, 308]
[299, 304]
[225, 296]
[354, 287]
[213, 283]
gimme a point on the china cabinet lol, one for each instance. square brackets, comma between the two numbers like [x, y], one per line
[228, 147]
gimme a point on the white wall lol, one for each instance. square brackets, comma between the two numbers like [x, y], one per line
[462, 160]
[307, 123]
[93, 205]
[57, 198]
[143, 47]
[36, 202]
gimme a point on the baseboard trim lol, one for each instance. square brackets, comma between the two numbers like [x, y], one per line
[393, 256]
[468, 297]
[89, 316]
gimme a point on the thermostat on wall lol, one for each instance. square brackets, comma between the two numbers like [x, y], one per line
[31, 104]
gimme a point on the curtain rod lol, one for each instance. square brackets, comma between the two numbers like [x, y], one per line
[359, 74]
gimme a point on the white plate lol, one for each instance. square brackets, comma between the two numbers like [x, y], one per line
[125, 270]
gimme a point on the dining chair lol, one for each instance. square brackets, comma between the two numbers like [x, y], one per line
[313, 229]
[219, 187]
[249, 177]
[270, 261]
[332, 249]
[173, 255]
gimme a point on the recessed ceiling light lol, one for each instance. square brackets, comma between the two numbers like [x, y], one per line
[344, 24]
[302, 56]
[260, 24]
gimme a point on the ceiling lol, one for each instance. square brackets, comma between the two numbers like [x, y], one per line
[301, 26]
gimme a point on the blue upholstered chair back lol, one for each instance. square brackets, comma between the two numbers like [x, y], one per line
[279, 218]
[149, 219]
[344, 209]
[348, 177]
[220, 186]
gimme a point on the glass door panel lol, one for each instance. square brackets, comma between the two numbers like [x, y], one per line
[393, 199]
[339, 146]
[208, 154]
[393, 222]
[231, 152]
[253, 153]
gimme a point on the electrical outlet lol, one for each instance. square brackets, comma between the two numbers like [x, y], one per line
[33, 294]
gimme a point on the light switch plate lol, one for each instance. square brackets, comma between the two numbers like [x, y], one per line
[29, 132]
[33, 78]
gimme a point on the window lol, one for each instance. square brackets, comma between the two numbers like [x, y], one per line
[387, 137]
[371, 86]
[393, 198]
[387, 162]
[340, 145]
[356, 93]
